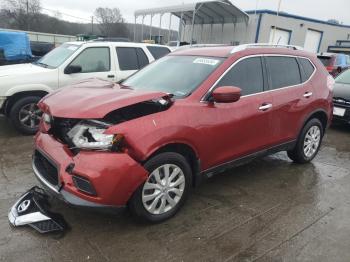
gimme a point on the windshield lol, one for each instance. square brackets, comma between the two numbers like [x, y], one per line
[177, 75]
[343, 78]
[57, 56]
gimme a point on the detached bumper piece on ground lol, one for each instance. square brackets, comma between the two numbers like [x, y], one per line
[32, 209]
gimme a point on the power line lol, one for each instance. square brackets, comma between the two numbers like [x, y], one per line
[76, 17]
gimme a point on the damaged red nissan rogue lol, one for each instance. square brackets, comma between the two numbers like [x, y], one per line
[145, 142]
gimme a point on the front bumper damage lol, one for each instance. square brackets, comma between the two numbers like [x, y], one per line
[33, 209]
[108, 179]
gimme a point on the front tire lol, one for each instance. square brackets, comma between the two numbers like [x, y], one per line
[166, 189]
[309, 142]
[25, 115]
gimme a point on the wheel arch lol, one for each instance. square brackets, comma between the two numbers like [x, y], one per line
[11, 100]
[319, 114]
[186, 151]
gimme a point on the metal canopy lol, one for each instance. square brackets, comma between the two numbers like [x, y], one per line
[200, 13]
[204, 12]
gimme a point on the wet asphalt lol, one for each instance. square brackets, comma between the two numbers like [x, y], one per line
[267, 210]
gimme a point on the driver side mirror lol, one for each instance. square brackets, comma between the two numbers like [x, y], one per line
[226, 94]
[72, 69]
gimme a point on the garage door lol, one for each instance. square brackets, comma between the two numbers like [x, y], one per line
[279, 36]
[312, 40]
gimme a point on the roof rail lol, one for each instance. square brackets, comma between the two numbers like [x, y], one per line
[257, 45]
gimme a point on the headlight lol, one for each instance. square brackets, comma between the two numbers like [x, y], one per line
[46, 118]
[91, 135]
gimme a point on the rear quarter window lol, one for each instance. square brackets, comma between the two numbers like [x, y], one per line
[158, 51]
[308, 69]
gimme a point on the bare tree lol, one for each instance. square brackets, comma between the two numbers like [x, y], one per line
[111, 21]
[23, 12]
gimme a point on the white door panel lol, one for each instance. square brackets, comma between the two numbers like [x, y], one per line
[96, 62]
[278, 36]
[312, 40]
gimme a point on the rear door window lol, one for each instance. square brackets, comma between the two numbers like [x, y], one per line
[158, 51]
[283, 71]
[131, 58]
[247, 75]
[141, 57]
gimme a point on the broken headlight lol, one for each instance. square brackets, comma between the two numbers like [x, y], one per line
[90, 135]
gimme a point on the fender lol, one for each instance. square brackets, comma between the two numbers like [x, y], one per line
[157, 147]
[142, 151]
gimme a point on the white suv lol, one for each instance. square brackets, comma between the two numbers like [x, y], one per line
[22, 86]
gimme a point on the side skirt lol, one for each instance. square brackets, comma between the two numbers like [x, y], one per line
[200, 177]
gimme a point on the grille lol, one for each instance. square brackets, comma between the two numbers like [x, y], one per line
[46, 169]
[341, 101]
[46, 226]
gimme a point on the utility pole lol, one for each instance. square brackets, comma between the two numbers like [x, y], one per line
[278, 12]
[27, 17]
[92, 24]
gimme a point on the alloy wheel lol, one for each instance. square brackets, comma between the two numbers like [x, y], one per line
[312, 141]
[30, 115]
[164, 189]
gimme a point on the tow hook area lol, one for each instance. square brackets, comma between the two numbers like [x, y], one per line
[33, 209]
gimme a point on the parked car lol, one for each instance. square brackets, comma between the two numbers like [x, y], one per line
[341, 98]
[335, 63]
[192, 114]
[22, 86]
[173, 45]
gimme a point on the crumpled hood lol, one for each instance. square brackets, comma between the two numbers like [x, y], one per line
[342, 91]
[92, 98]
[21, 69]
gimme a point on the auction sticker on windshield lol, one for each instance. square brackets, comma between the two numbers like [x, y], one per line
[206, 61]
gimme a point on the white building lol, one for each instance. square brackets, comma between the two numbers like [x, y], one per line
[220, 22]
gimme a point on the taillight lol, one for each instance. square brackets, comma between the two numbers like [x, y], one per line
[330, 82]
[330, 68]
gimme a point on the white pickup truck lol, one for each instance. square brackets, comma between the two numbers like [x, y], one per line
[23, 85]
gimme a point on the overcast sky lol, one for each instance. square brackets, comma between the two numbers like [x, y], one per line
[319, 9]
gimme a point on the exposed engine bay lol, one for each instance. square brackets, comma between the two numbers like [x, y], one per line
[89, 134]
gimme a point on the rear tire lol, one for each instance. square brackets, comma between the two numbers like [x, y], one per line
[159, 198]
[25, 115]
[308, 143]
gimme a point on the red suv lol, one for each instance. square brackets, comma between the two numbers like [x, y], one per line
[145, 142]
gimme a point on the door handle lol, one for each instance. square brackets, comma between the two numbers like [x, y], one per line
[110, 76]
[265, 107]
[308, 94]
